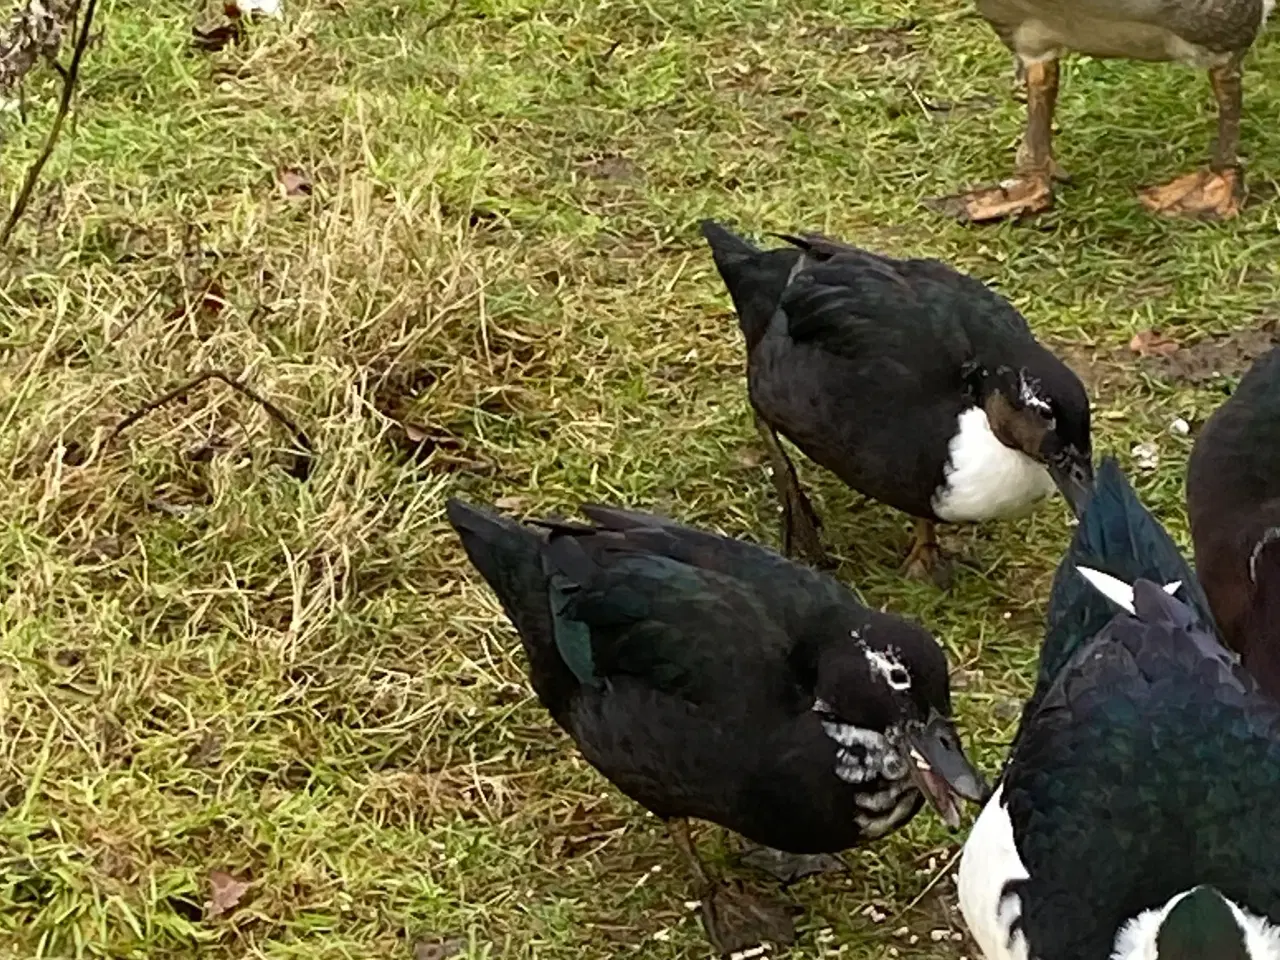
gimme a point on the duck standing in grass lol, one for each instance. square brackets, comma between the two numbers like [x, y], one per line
[711, 678]
[916, 385]
[1133, 819]
[1233, 501]
[1211, 35]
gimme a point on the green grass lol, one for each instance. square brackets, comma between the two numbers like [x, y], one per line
[209, 665]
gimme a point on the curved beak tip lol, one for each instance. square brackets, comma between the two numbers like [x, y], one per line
[1075, 483]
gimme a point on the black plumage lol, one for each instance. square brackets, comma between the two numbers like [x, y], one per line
[1233, 502]
[711, 678]
[867, 363]
[1149, 769]
[1143, 768]
[1118, 536]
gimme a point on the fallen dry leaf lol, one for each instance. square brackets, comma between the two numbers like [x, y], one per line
[512, 504]
[294, 182]
[225, 894]
[1150, 343]
[415, 433]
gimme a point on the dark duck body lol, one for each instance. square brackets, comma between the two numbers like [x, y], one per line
[1133, 819]
[1212, 35]
[710, 678]
[916, 385]
[1233, 501]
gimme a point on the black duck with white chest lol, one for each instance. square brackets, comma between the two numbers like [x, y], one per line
[1233, 501]
[1133, 819]
[916, 385]
[711, 678]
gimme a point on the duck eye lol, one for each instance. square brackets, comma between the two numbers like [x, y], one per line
[899, 679]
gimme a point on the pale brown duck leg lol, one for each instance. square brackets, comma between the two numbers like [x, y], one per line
[1031, 189]
[925, 560]
[1212, 194]
[800, 524]
[734, 919]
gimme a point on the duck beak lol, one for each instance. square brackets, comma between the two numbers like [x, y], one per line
[1073, 476]
[940, 769]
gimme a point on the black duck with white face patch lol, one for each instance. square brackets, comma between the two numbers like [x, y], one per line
[916, 385]
[1233, 502]
[713, 679]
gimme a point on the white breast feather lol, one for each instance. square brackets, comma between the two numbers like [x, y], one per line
[984, 479]
[1137, 938]
[989, 861]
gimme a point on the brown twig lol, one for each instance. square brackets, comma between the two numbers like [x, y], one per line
[137, 315]
[442, 19]
[64, 107]
[937, 877]
[303, 460]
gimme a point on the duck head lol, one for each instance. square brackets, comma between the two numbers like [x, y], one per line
[1198, 924]
[886, 703]
[1041, 410]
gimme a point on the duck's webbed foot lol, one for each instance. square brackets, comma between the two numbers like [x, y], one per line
[1203, 195]
[1212, 194]
[926, 561]
[1018, 197]
[735, 920]
[790, 867]
[1031, 188]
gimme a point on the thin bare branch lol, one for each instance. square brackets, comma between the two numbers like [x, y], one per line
[64, 107]
[305, 454]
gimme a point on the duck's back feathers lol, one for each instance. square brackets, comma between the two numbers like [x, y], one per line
[639, 597]
[1117, 536]
[1153, 722]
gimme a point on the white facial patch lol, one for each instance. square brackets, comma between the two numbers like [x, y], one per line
[1116, 590]
[1031, 396]
[886, 664]
[985, 480]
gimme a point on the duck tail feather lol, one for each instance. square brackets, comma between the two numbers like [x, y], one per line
[1117, 543]
[755, 278]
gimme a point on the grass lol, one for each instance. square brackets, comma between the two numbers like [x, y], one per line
[494, 288]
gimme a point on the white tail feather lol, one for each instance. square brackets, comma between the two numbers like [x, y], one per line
[1116, 590]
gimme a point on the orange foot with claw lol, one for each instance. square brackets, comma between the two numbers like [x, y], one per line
[1021, 196]
[1204, 195]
